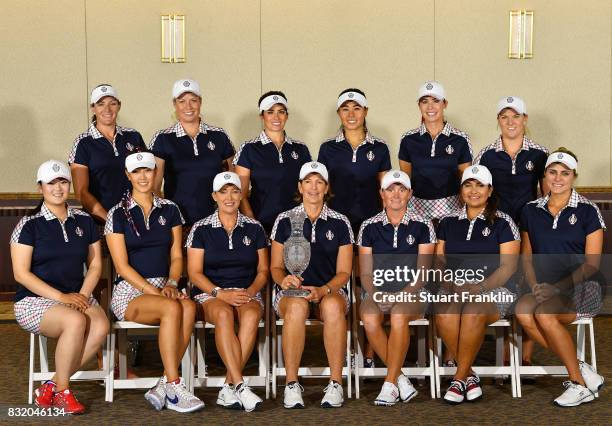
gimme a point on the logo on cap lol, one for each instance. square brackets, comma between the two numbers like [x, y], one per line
[139, 157]
[486, 232]
[294, 155]
[370, 156]
[329, 235]
[227, 176]
[529, 165]
[246, 241]
[104, 88]
[129, 146]
[509, 99]
[396, 175]
[186, 83]
[78, 231]
[162, 220]
[314, 165]
[449, 149]
[275, 97]
[573, 219]
[429, 86]
[351, 95]
[559, 156]
[410, 239]
[474, 169]
[56, 167]
[211, 146]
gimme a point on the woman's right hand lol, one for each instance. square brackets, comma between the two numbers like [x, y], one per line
[75, 300]
[234, 297]
[291, 281]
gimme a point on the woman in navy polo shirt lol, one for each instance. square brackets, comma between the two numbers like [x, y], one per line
[565, 232]
[48, 250]
[189, 154]
[331, 244]
[482, 243]
[143, 233]
[98, 156]
[270, 164]
[394, 237]
[434, 155]
[228, 264]
[356, 161]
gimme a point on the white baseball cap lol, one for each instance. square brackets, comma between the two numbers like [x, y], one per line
[139, 159]
[101, 91]
[563, 158]
[432, 88]
[480, 173]
[513, 102]
[225, 178]
[395, 176]
[185, 85]
[314, 167]
[352, 96]
[269, 101]
[53, 169]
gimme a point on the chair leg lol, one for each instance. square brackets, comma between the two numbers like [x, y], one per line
[105, 367]
[31, 375]
[122, 347]
[111, 365]
[42, 348]
[274, 356]
[517, 338]
[356, 356]
[437, 344]
[580, 342]
[349, 373]
[512, 360]
[499, 351]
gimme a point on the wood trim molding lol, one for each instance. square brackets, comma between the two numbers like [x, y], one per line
[26, 196]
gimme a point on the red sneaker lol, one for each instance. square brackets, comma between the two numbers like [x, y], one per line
[67, 401]
[43, 396]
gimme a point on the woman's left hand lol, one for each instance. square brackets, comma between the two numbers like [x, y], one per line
[170, 292]
[544, 291]
[316, 293]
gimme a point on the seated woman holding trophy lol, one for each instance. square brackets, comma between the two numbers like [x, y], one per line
[312, 250]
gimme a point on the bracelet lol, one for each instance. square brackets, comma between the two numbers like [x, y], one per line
[329, 290]
[172, 283]
[142, 288]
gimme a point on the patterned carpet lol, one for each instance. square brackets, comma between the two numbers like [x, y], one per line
[497, 407]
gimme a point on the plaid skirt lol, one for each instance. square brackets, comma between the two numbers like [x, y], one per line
[124, 293]
[434, 209]
[587, 299]
[30, 310]
[203, 297]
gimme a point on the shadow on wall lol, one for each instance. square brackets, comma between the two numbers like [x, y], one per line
[20, 151]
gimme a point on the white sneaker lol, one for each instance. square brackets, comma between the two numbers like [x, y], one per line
[249, 400]
[293, 396]
[473, 391]
[227, 398]
[178, 398]
[455, 394]
[157, 394]
[389, 395]
[574, 395]
[333, 397]
[406, 390]
[592, 380]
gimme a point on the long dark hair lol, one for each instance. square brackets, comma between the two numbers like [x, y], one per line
[36, 209]
[490, 211]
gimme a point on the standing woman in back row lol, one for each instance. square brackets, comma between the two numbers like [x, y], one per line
[270, 164]
[434, 155]
[189, 154]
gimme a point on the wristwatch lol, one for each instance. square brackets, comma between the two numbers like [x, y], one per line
[172, 283]
[215, 291]
[328, 288]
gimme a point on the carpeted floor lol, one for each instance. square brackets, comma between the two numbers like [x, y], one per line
[497, 406]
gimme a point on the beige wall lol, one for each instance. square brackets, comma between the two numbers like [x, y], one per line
[55, 51]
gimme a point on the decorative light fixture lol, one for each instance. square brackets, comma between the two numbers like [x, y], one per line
[520, 38]
[173, 38]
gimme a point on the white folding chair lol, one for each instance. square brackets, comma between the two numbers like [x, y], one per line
[499, 370]
[44, 373]
[420, 371]
[278, 368]
[556, 370]
[200, 376]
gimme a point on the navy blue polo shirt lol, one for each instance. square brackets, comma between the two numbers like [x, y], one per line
[327, 234]
[274, 174]
[60, 249]
[435, 162]
[230, 261]
[149, 253]
[106, 161]
[515, 179]
[563, 235]
[353, 175]
[469, 238]
[191, 165]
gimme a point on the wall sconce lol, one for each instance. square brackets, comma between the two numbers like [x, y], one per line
[173, 38]
[520, 38]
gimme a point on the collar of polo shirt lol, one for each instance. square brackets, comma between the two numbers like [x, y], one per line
[269, 101]
[49, 215]
[352, 96]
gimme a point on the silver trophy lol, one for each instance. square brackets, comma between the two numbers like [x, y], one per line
[296, 252]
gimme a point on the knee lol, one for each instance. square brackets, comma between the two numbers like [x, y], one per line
[546, 320]
[171, 309]
[224, 316]
[296, 309]
[526, 320]
[473, 320]
[189, 308]
[371, 323]
[101, 325]
[333, 310]
[250, 317]
[75, 322]
[399, 321]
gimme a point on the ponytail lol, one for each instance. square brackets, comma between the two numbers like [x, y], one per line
[125, 205]
[490, 211]
[36, 209]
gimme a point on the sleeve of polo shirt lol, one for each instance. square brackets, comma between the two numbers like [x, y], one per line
[540, 163]
[464, 155]
[157, 146]
[403, 153]
[227, 149]
[364, 238]
[593, 220]
[505, 234]
[385, 163]
[244, 157]
[196, 237]
[140, 143]
[94, 234]
[24, 232]
[346, 235]
[307, 157]
[322, 157]
[79, 154]
[525, 219]
[176, 218]
[261, 239]
[442, 229]
[114, 223]
[427, 233]
[281, 230]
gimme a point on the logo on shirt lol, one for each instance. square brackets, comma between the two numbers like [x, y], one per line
[294, 155]
[56, 167]
[246, 241]
[370, 156]
[410, 240]
[162, 220]
[573, 219]
[329, 235]
[529, 165]
[509, 99]
[486, 232]
[449, 149]
[78, 231]
[211, 146]
[429, 86]
[129, 146]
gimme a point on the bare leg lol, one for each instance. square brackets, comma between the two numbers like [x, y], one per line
[334, 333]
[294, 311]
[221, 314]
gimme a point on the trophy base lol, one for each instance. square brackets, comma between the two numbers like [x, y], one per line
[296, 292]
